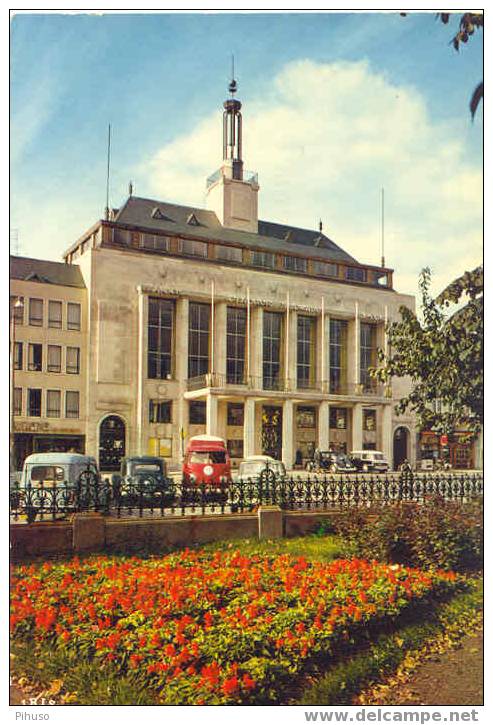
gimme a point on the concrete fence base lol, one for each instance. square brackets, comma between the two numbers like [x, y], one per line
[88, 532]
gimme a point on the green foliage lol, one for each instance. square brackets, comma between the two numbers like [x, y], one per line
[442, 354]
[321, 546]
[439, 533]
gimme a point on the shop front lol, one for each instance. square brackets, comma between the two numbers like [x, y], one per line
[456, 448]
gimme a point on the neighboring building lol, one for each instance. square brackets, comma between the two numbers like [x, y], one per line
[215, 321]
[49, 376]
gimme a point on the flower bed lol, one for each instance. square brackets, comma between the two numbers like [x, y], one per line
[198, 628]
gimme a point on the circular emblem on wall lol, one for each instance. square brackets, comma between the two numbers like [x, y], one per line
[162, 389]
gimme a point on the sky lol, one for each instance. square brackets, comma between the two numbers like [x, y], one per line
[336, 106]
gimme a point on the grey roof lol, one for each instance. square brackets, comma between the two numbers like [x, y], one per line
[201, 223]
[43, 270]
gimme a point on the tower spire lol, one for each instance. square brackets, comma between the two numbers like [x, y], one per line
[232, 123]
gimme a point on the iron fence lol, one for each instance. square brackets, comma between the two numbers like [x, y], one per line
[148, 495]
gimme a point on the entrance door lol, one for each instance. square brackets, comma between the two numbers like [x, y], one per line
[272, 431]
[111, 443]
[400, 446]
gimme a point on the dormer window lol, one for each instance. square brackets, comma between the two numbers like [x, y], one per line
[193, 221]
[158, 214]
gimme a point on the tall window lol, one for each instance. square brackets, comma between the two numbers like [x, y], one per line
[54, 314]
[35, 361]
[198, 339]
[305, 367]
[34, 402]
[18, 356]
[356, 274]
[155, 241]
[72, 404]
[17, 401]
[53, 403]
[197, 412]
[294, 264]
[235, 345]
[73, 360]
[229, 254]
[324, 269]
[367, 353]
[159, 411]
[193, 247]
[54, 364]
[160, 338]
[338, 356]
[36, 312]
[73, 316]
[272, 344]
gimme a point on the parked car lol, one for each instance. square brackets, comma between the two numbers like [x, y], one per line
[330, 461]
[370, 461]
[206, 467]
[142, 481]
[251, 468]
[61, 482]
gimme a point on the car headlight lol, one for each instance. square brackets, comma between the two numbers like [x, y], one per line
[193, 477]
[224, 479]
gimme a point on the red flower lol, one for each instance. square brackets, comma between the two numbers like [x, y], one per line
[247, 682]
[230, 685]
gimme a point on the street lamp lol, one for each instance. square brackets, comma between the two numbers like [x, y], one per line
[18, 304]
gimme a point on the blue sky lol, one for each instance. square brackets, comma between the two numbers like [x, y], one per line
[160, 79]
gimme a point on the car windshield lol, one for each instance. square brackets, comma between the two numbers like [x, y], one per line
[47, 473]
[378, 456]
[204, 457]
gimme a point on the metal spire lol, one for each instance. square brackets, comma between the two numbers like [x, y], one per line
[233, 86]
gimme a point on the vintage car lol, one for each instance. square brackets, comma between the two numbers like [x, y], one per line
[370, 461]
[331, 462]
[142, 481]
[57, 483]
[251, 468]
[206, 461]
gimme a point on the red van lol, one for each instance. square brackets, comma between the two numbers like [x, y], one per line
[206, 461]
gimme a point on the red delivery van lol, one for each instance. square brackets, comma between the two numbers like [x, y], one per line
[206, 461]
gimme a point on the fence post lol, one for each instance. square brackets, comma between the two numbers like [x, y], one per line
[88, 531]
[270, 522]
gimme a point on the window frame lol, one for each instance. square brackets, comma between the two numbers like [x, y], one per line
[156, 408]
[77, 394]
[71, 369]
[199, 337]
[51, 319]
[159, 361]
[71, 325]
[236, 345]
[29, 410]
[51, 367]
[31, 366]
[36, 321]
[59, 394]
[338, 355]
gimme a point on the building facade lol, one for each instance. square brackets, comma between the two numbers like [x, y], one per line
[213, 321]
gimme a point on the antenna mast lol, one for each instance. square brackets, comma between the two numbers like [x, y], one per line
[107, 208]
[382, 217]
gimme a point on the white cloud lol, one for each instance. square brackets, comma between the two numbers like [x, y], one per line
[324, 142]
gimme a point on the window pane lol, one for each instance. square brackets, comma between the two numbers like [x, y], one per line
[54, 314]
[54, 359]
[53, 403]
[36, 312]
[264, 259]
[368, 353]
[17, 401]
[73, 316]
[34, 402]
[272, 334]
[338, 356]
[72, 404]
[325, 269]
[306, 351]
[73, 360]
[356, 274]
[198, 339]
[193, 247]
[18, 347]
[159, 411]
[197, 412]
[235, 414]
[235, 345]
[231, 254]
[35, 362]
[294, 264]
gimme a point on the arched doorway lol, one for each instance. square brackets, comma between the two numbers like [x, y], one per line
[401, 439]
[111, 443]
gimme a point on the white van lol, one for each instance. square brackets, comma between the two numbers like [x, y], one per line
[370, 461]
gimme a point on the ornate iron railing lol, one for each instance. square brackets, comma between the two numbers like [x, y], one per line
[148, 494]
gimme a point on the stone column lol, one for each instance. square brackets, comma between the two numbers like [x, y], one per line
[291, 354]
[386, 436]
[256, 345]
[211, 415]
[323, 350]
[287, 434]
[220, 318]
[357, 427]
[181, 371]
[356, 360]
[323, 426]
[143, 301]
[249, 428]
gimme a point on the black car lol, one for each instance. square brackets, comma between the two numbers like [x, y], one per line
[142, 481]
[328, 461]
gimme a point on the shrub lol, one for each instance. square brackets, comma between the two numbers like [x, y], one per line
[437, 533]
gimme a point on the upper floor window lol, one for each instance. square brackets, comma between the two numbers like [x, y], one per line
[197, 412]
[34, 402]
[368, 353]
[229, 254]
[72, 404]
[160, 338]
[54, 364]
[193, 247]
[338, 356]
[324, 269]
[264, 259]
[121, 236]
[53, 403]
[272, 346]
[305, 366]
[356, 274]
[35, 361]
[17, 309]
[36, 312]
[54, 314]
[294, 264]
[18, 355]
[156, 242]
[369, 419]
[235, 414]
[338, 418]
[72, 363]
[17, 401]
[73, 316]
[159, 411]
[235, 345]
[198, 339]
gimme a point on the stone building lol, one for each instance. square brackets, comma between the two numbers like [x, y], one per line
[214, 321]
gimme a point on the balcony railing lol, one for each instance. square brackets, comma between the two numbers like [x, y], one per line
[281, 384]
[250, 177]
